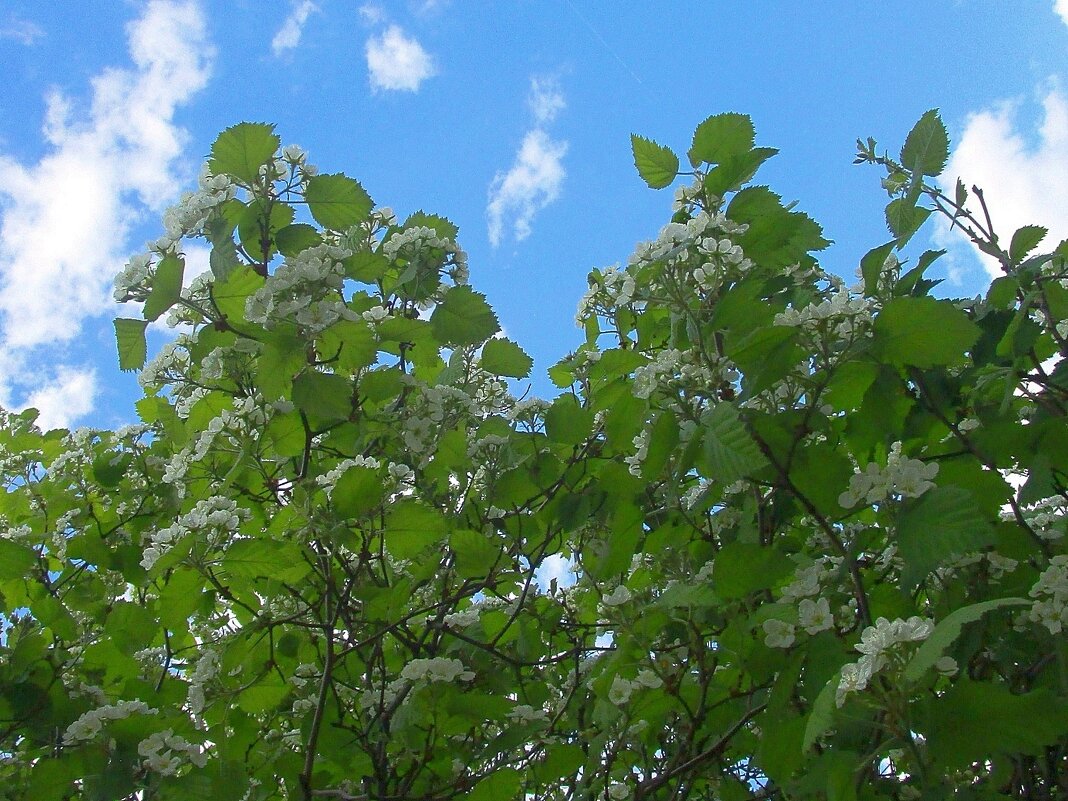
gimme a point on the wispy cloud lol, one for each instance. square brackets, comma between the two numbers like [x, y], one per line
[537, 174]
[66, 220]
[1023, 173]
[21, 30]
[397, 62]
[1061, 7]
[288, 36]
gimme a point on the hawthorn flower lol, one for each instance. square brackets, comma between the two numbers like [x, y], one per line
[436, 669]
[815, 616]
[778, 633]
[90, 724]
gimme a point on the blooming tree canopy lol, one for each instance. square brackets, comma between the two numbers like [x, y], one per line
[815, 531]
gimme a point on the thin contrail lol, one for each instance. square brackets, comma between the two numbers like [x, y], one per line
[607, 46]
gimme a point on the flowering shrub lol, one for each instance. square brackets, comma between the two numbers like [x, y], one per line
[310, 572]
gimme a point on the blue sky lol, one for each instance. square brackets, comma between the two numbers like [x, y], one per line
[512, 118]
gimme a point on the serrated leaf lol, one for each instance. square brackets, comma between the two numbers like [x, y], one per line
[501, 785]
[721, 137]
[242, 149]
[463, 318]
[657, 165]
[871, 266]
[567, 422]
[904, 218]
[442, 226]
[729, 450]
[131, 344]
[822, 716]
[923, 332]
[258, 558]
[502, 356]
[359, 490]
[16, 560]
[166, 286]
[324, 397]
[741, 568]
[230, 295]
[943, 522]
[475, 553]
[948, 630]
[926, 149]
[732, 172]
[256, 230]
[412, 527]
[337, 202]
[1025, 240]
[293, 239]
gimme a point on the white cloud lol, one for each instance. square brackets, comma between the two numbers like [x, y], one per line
[1023, 173]
[66, 220]
[372, 14]
[537, 175]
[21, 30]
[288, 36]
[1061, 7]
[546, 100]
[396, 62]
[67, 397]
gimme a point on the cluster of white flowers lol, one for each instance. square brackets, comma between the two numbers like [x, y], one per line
[909, 478]
[217, 517]
[437, 669]
[1050, 592]
[462, 618]
[620, 595]
[720, 255]
[778, 633]
[879, 644]
[648, 377]
[205, 670]
[329, 479]
[132, 282]
[622, 689]
[525, 713]
[641, 450]
[295, 156]
[808, 580]
[421, 243]
[846, 312]
[435, 410]
[170, 364]
[297, 291]
[164, 752]
[90, 724]
[1046, 518]
[188, 217]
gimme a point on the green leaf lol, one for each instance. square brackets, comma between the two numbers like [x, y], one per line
[442, 226]
[504, 357]
[958, 730]
[721, 137]
[871, 266]
[926, 149]
[337, 202]
[166, 286]
[923, 332]
[657, 165]
[476, 554]
[258, 558]
[741, 568]
[463, 318]
[230, 295]
[567, 422]
[324, 397]
[734, 171]
[1025, 240]
[904, 218]
[729, 450]
[242, 149]
[16, 560]
[822, 716]
[359, 490]
[501, 785]
[942, 522]
[948, 630]
[412, 527]
[130, 342]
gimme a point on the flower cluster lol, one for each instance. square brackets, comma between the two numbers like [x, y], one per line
[1050, 592]
[164, 752]
[843, 312]
[909, 478]
[305, 289]
[879, 644]
[217, 517]
[436, 669]
[622, 689]
[90, 724]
